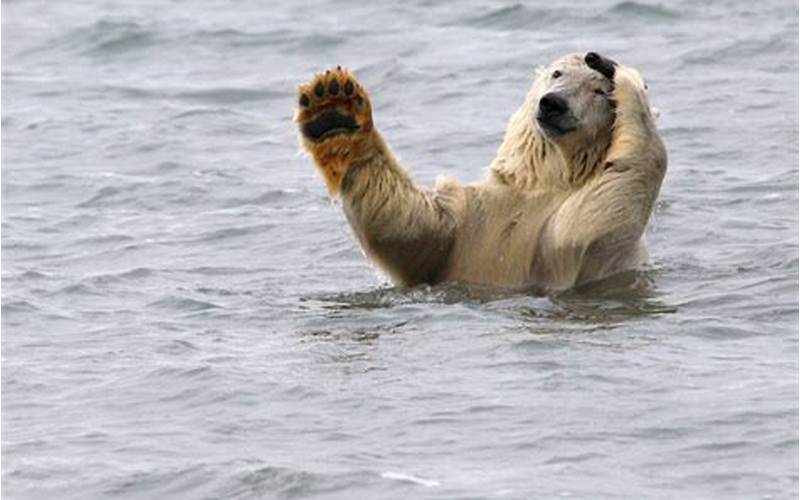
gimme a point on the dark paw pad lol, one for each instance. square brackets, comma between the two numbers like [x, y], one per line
[329, 123]
[333, 87]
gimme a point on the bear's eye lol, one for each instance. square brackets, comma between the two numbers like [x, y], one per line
[599, 92]
[556, 74]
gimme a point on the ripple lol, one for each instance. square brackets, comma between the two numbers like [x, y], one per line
[18, 306]
[204, 113]
[210, 95]
[33, 275]
[449, 293]
[234, 232]
[642, 11]
[517, 17]
[283, 482]
[157, 482]
[269, 198]
[78, 289]
[408, 478]
[103, 239]
[106, 37]
[183, 304]
[230, 95]
[136, 274]
[734, 52]
[573, 459]
[103, 197]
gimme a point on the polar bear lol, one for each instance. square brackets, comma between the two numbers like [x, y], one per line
[566, 200]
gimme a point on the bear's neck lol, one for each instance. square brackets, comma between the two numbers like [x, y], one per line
[528, 160]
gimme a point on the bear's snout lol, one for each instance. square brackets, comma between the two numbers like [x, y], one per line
[554, 115]
[552, 105]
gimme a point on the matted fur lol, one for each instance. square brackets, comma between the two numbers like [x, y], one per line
[553, 213]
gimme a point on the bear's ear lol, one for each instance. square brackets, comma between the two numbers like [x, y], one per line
[602, 65]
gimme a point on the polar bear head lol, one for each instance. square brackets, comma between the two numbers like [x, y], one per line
[574, 105]
[565, 126]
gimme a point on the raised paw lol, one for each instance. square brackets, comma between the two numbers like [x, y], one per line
[331, 104]
[335, 121]
[602, 65]
[628, 77]
[634, 116]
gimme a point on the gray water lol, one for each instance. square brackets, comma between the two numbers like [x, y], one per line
[186, 315]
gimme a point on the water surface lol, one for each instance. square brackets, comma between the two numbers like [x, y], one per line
[186, 315]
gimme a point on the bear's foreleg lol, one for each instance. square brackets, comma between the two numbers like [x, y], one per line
[406, 230]
[597, 231]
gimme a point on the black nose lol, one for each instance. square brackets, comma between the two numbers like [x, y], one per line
[553, 104]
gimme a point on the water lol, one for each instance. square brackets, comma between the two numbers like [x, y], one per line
[185, 314]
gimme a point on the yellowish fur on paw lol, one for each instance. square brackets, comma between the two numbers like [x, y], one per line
[630, 76]
[334, 117]
[634, 121]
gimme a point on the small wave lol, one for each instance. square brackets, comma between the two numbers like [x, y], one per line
[33, 275]
[78, 289]
[230, 95]
[169, 166]
[18, 306]
[177, 347]
[641, 10]
[516, 17]
[110, 38]
[736, 51]
[40, 186]
[105, 37]
[203, 112]
[628, 293]
[160, 168]
[289, 39]
[143, 194]
[198, 373]
[286, 40]
[183, 304]
[218, 270]
[313, 41]
[101, 198]
[132, 275]
[449, 293]
[237, 38]
[23, 246]
[266, 481]
[233, 232]
[268, 198]
[158, 482]
[222, 292]
[572, 459]
[206, 95]
[103, 239]
[408, 478]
